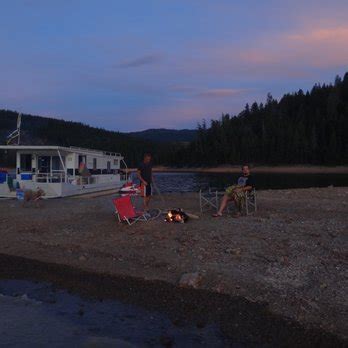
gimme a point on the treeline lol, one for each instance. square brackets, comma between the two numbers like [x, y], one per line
[38, 130]
[301, 128]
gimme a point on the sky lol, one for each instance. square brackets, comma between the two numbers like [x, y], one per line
[138, 64]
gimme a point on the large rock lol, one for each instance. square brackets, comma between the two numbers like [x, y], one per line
[190, 280]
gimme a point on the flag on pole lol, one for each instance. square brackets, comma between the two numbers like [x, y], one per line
[16, 133]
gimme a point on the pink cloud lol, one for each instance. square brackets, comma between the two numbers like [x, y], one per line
[303, 48]
[190, 91]
[321, 47]
[170, 116]
[336, 35]
[294, 53]
[220, 92]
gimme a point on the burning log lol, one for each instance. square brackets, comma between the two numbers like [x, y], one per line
[176, 215]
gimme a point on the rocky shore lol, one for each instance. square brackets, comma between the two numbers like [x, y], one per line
[287, 262]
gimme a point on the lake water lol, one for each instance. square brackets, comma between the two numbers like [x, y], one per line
[186, 182]
[39, 315]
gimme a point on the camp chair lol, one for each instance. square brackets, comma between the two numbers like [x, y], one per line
[125, 211]
[211, 199]
[250, 201]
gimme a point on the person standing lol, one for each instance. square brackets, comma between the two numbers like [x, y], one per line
[145, 176]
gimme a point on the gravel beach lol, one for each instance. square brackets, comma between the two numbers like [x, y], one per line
[290, 256]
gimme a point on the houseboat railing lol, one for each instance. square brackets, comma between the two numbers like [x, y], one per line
[124, 174]
[59, 176]
[111, 154]
[83, 180]
[55, 176]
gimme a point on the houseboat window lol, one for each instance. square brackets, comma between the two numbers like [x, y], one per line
[108, 166]
[94, 164]
[56, 163]
[116, 162]
[44, 164]
[25, 162]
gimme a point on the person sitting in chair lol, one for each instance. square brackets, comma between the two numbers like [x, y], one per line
[236, 193]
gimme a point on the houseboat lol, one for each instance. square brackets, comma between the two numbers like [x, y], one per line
[62, 171]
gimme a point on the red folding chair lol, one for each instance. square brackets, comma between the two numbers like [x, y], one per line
[125, 211]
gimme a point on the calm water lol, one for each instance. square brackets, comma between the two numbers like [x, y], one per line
[38, 315]
[185, 182]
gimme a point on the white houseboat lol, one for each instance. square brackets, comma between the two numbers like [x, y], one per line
[62, 171]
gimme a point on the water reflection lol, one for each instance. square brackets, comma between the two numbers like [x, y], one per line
[187, 182]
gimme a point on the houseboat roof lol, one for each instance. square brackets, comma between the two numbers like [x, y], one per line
[71, 149]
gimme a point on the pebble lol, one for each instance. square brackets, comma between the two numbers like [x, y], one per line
[190, 280]
[234, 251]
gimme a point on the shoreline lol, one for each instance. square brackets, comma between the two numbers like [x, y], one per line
[254, 324]
[286, 169]
[300, 169]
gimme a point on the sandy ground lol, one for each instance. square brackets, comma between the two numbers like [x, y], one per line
[291, 255]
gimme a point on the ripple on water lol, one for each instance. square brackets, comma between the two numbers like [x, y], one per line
[193, 182]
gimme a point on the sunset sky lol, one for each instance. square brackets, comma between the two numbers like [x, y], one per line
[132, 65]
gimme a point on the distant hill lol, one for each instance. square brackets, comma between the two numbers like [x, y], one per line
[37, 130]
[163, 135]
[308, 127]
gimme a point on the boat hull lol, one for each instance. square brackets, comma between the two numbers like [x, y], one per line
[55, 190]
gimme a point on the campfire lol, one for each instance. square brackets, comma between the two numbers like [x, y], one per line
[176, 215]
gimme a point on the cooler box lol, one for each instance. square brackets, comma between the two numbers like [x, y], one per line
[27, 176]
[3, 177]
[20, 194]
